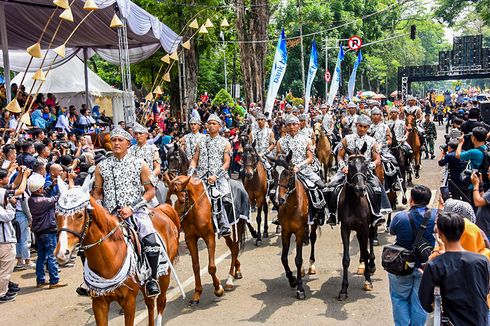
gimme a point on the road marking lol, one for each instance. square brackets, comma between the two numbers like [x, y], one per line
[174, 293]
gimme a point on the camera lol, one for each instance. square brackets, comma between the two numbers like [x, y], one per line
[455, 134]
[469, 172]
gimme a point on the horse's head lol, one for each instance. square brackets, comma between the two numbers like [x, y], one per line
[285, 175]
[358, 170]
[177, 191]
[410, 120]
[73, 212]
[250, 158]
[175, 159]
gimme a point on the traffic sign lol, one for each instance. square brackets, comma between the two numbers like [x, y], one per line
[327, 76]
[354, 43]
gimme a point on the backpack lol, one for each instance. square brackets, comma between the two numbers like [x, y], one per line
[483, 169]
[400, 261]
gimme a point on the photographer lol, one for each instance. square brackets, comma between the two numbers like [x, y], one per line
[475, 155]
[456, 185]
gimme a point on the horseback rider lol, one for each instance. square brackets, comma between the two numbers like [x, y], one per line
[190, 141]
[327, 119]
[124, 185]
[380, 131]
[414, 110]
[305, 129]
[352, 143]
[302, 152]
[264, 144]
[398, 129]
[145, 151]
[349, 120]
[214, 157]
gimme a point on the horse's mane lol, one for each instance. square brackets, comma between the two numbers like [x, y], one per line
[104, 220]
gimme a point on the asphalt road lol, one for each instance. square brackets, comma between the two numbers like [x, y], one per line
[263, 296]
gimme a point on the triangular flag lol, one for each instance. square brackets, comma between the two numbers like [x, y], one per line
[194, 24]
[208, 23]
[166, 58]
[174, 56]
[203, 30]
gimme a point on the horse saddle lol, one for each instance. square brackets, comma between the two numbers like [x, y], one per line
[315, 195]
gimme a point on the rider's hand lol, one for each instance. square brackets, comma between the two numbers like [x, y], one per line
[212, 179]
[125, 212]
[345, 170]
[295, 169]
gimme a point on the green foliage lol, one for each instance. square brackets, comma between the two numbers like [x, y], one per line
[222, 98]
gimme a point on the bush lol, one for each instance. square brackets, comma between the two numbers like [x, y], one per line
[223, 98]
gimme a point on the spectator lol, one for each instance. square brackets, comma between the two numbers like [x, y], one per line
[62, 124]
[51, 185]
[457, 187]
[404, 289]
[44, 227]
[462, 276]
[43, 153]
[482, 202]
[8, 290]
[26, 158]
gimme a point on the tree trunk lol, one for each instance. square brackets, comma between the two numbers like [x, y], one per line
[251, 25]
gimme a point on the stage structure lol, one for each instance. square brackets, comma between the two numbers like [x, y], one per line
[467, 60]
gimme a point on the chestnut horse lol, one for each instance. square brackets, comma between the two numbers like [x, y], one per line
[102, 140]
[413, 140]
[355, 215]
[293, 216]
[102, 237]
[190, 199]
[255, 182]
[323, 150]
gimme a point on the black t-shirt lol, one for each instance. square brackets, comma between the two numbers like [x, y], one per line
[464, 281]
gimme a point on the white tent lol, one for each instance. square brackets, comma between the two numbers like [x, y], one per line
[67, 83]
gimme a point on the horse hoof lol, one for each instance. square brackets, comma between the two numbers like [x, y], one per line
[219, 292]
[368, 286]
[238, 276]
[300, 295]
[228, 287]
[293, 282]
[342, 297]
[265, 234]
[253, 233]
[258, 242]
[193, 303]
[375, 242]
[312, 270]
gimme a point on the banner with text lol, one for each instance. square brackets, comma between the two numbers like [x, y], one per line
[336, 77]
[278, 70]
[352, 79]
[311, 73]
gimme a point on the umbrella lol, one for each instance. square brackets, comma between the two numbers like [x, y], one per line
[379, 96]
[368, 94]
[394, 94]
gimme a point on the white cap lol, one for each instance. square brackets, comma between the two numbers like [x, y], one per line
[36, 182]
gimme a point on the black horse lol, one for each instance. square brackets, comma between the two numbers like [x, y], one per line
[355, 215]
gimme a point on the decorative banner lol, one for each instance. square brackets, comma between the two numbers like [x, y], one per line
[311, 73]
[352, 79]
[278, 70]
[336, 77]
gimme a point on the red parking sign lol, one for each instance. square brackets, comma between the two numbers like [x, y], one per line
[327, 76]
[354, 43]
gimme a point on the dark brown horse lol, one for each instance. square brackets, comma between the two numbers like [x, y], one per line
[177, 161]
[194, 208]
[355, 215]
[255, 183]
[413, 140]
[102, 140]
[105, 250]
[293, 216]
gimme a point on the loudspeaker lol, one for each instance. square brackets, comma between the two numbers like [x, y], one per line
[485, 111]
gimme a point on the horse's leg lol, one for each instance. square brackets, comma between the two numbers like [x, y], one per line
[312, 269]
[363, 238]
[210, 241]
[192, 246]
[162, 298]
[371, 264]
[150, 306]
[100, 306]
[241, 229]
[286, 241]
[345, 233]
[266, 215]
[129, 306]
[298, 260]
[258, 242]
[232, 244]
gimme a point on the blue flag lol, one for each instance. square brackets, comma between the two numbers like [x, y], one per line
[352, 79]
[311, 73]
[278, 70]
[336, 77]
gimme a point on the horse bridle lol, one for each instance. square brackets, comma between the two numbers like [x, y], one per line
[175, 156]
[348, 180]
[291, 186]
[255, 161]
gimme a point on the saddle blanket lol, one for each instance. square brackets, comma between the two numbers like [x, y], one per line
[315, 195]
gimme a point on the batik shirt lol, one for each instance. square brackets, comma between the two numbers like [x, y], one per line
[298, 145]
[262, 139]
[355, 142]
[306, 131]
[122, 181]
[327, 122]
[398, 128]
[412, 110]
[378, 132]
[191, 141]
[147, 152]
[215, 149]
[350, 123]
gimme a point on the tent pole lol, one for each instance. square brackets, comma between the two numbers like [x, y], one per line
[85, 72]
[5, 52]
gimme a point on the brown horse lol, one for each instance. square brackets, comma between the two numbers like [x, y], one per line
[355, 215]
[323, 149]
[103, 239]
[293, 216]
[102, 140]
[194, 209]
[413, 140]
[255, 183]
[178, 163]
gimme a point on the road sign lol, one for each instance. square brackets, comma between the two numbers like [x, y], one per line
[354, 43]
[327, 76]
